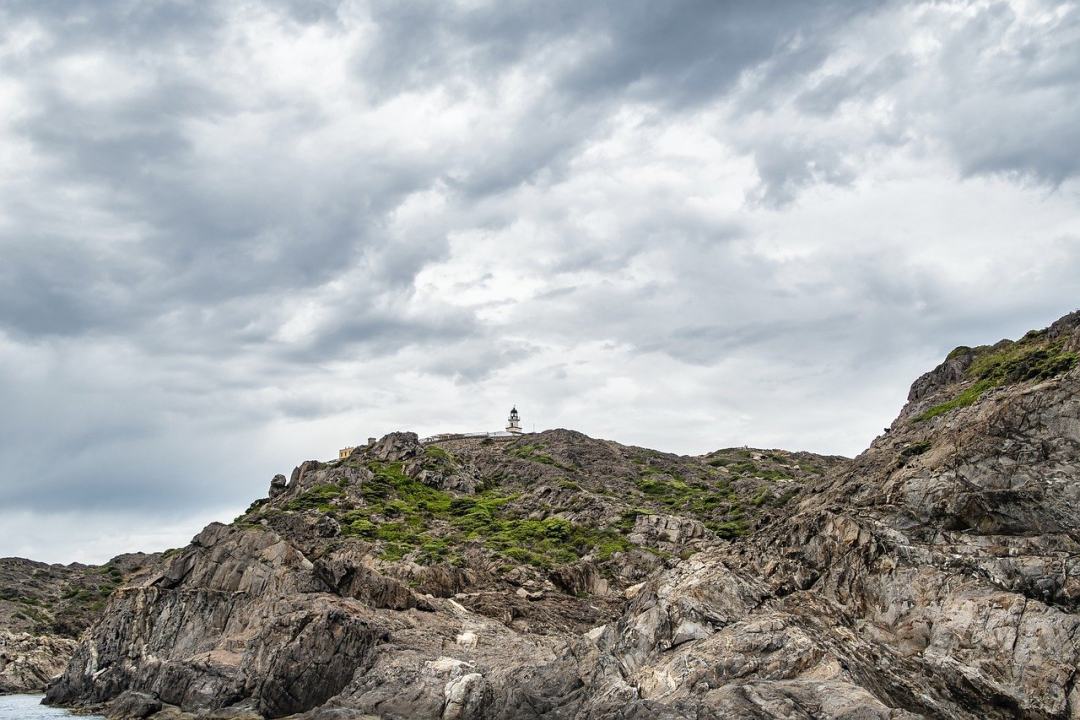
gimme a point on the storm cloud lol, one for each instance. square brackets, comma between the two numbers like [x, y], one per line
[234, 236]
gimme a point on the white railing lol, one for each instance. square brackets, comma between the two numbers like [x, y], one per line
[457, 436]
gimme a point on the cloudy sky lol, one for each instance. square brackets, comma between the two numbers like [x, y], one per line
[236, 235]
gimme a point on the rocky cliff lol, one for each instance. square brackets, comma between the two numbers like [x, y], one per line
[557, 576]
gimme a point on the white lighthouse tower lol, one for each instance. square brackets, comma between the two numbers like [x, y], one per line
[513, 426]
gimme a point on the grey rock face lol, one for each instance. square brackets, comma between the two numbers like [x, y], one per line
[238, 615]
[397, 446]
[935, 576]
[667, 532]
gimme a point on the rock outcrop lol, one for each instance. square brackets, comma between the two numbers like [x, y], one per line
[557, 576]
[29, 662]
[44, 608]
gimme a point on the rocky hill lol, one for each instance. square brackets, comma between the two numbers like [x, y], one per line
[44, 608]
[558, 576]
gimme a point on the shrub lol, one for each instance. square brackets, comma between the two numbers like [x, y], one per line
[1029, 359]
[316, 498]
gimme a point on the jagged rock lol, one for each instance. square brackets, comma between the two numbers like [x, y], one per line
[303, 475]
[578, 579]
[396, 446]
[133, 705]
[464, 697]
[240, 614]
[28, 662]
[277, 486]
[950, 371]
[351, 574]
[666, 531]
[459, 480]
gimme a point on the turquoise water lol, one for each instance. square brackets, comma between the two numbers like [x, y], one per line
[29, 707]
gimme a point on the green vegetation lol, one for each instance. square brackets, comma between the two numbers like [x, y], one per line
[255, 506]
[1019, 362]
[770, 474]
[957, 352]
[708, 503]
[550, 541]
[441, 455]
[629, 518]
[355, 523]
[749, 467]
[543, 543]
[408, 518]
[967, 397]
[40, 619]
[785, 497]
[763, 496]
[316, 498]
[729, 529]
[1029, 359]
[534, 453]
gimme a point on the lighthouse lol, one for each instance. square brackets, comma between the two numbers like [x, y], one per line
[513, 425]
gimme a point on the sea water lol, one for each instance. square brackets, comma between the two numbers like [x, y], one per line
[29, 707]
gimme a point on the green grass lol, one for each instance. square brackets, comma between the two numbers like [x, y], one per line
[408, 518]
[441, 455]
[549, 542]
[729, 529]
[316, 498]
[716, 504]
[1026, 360]
[1020, 361]
[965, 398]
[533, 453]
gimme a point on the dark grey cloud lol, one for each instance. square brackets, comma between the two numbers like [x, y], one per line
[1013, 87]
[680, 53]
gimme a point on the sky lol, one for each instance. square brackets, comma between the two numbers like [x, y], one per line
[238, 235]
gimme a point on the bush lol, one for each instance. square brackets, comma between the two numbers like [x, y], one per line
[1030, 359]
[317, 498]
